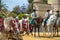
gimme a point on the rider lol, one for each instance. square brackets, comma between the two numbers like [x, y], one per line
[33, 16]
[58, 14]
[47, 15]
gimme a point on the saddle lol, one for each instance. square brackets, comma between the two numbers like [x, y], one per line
[31, 21]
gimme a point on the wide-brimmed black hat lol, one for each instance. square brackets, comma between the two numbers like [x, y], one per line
[34, 10]
[48, 10]
[57, 11]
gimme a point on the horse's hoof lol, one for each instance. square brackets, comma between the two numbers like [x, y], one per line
[34, 35]
[50, 36]
[38, 35]
[57, 35]
[53, 35]
[27, 34]
[31, 34]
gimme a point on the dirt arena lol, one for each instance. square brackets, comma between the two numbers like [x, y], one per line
[31, 37]
[39, 38]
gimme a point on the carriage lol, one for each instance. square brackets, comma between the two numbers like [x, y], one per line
[8, 29]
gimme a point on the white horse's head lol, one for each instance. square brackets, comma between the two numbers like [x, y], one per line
[51, 20]
[7, 23]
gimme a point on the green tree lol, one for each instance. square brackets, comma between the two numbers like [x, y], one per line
[12, 14]
[21, 15]
[30, 6]
[3, 8]
[44, 1]
[30, 1]
[29, 9]
[16, 9]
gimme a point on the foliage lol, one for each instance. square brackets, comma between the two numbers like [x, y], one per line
[30, 1]
[29, 17]
[12, 14]
[44, 1]
[1, 15]
[16, 10]
[2, 6]
[3, 9]
[30, 6]
[21, 15]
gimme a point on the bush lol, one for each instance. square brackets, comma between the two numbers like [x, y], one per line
[21, 15]
[1, 15]
[12, 14]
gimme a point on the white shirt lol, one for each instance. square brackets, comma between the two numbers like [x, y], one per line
[33, 15]
[47, 14]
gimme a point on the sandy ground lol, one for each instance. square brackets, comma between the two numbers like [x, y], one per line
[42, 37]
[39, 38]
[31, 37]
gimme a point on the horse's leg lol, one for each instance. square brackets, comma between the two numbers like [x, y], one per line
[43, 28]
[48, 30]
[35, 31]
[38, 31]
[57, 31]
[31, 29]
[54, 31]
[51, 31]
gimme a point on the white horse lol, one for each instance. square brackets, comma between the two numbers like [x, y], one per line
[7, 23]
[50, 23]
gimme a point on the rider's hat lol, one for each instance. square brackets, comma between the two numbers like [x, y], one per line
[34, 10]
[57, 11]
[48, 10]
